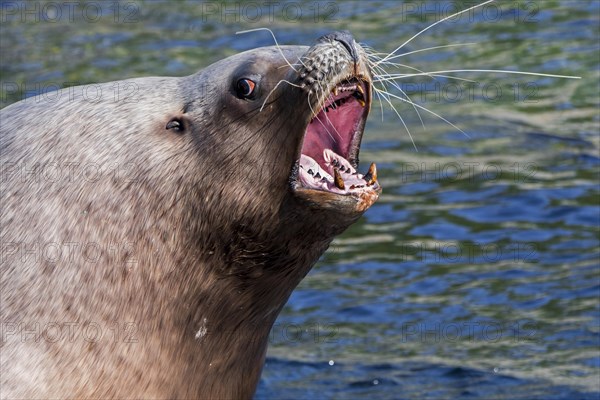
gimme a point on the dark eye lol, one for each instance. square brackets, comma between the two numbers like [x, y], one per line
[245, 88]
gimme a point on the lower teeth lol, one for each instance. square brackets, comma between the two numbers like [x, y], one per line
[342, 179]
[314, 169]
[334, 160]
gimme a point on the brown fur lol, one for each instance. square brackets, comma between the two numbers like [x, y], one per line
[197, 238]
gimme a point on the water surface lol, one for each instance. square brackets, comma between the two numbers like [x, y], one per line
[476, 275]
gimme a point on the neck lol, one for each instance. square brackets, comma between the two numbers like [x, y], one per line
[209, 303]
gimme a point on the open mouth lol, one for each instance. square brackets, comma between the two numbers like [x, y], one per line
[329, 156]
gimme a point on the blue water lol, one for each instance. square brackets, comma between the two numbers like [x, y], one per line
[477, 273]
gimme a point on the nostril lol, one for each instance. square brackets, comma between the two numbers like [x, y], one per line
[346, 39]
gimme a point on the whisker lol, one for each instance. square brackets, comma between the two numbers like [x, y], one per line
[372, 66]
[432, 48]
[431, 112]
[397, 86]
[399, 116]
[330, 96]
[432, 25]
[392, 77]
[380, 102]
[371, 52]
[384, 73]
[502, 71]
[276, 44]
[315, 114]
[272, 90]
[432, 76]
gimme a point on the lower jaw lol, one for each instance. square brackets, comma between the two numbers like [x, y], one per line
[339, 205]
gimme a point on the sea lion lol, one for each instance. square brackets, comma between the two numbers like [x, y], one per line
[149, 242]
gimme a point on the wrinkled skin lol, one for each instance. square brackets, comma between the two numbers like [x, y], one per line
[198, 234]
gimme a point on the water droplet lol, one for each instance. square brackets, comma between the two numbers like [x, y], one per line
[496, 370]
[376, 382]
[331, 362]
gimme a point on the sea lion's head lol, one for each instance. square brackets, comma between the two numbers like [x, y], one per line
[284, 127]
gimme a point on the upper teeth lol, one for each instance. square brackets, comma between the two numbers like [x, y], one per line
[357, 92]
[346, 88]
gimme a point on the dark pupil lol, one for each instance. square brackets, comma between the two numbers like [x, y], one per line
[244, 87]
